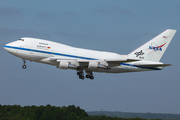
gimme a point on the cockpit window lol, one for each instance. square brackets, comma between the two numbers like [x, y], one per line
[21, 39]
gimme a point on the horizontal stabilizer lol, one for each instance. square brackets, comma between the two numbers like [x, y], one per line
[154, 65]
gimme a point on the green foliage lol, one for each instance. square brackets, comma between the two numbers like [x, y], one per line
[48, 112]
[150, 116]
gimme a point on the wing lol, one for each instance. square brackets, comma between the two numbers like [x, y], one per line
[92, 64]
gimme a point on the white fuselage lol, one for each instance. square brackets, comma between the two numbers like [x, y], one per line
[43, 51]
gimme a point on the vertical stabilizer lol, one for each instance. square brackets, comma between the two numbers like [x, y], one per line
[154, 49]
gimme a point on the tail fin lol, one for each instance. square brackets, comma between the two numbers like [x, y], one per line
[154, 49]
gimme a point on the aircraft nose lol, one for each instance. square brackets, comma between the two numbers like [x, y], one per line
[7, 46]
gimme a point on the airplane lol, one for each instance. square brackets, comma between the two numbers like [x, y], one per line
[144, 58]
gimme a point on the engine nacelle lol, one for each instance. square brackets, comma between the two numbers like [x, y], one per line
[98, 64]
[63, 65]
[93, 65]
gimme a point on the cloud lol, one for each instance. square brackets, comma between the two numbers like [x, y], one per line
[10, 12]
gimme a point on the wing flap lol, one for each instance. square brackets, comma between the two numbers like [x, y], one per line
[121, 60]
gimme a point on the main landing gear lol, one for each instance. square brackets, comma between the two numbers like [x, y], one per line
[24, 66]
[89, 75]
[81, 75]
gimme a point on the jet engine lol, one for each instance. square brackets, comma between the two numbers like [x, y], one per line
[63, 65]
[93, 65]
[68, 64]
[98, 64]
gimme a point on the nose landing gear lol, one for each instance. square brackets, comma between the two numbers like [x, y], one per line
[24, 66]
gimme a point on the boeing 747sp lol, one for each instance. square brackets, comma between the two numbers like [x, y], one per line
[144, 58]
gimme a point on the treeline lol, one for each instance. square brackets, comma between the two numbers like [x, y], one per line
[48, 112]
[163, 116]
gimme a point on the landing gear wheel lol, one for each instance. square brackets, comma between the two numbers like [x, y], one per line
[24, 66]
[81, 77]
[87, 76]
[80, 73]
[91, 77]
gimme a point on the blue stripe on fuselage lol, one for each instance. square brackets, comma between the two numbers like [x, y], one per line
[60, 54]
[73, 56]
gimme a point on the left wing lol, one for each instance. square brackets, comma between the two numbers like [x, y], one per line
[91, 64]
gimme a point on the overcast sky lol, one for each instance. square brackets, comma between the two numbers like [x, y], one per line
[118, 26]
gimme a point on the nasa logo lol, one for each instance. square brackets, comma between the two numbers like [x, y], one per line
[139, 53]
[157, 47]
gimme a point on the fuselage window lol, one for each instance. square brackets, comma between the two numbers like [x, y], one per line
[21, 39]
